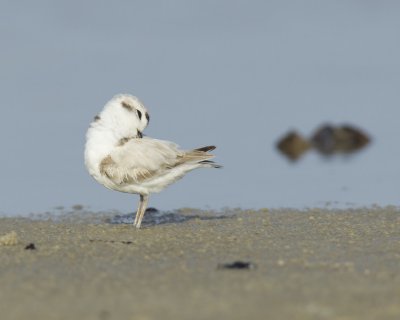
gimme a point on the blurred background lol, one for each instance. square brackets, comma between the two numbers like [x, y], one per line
[237, 74]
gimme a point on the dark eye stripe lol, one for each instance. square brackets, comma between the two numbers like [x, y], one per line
[147, 117]
[139, 114]
[127, 106]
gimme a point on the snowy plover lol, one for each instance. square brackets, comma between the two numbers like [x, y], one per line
[119, 157]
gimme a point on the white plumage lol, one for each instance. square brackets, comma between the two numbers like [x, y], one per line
[120, 158]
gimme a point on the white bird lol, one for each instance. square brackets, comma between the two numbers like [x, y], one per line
[119, 157]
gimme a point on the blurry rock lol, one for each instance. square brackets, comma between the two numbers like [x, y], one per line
[329, 139]
[323, 139]
[350, 139]
[293, 146]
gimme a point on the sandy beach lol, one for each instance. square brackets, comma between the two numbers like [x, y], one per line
[312, 264]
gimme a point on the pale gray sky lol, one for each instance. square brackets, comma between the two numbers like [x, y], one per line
[237, 74]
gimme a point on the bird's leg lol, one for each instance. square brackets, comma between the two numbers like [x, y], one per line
[144, 201]
[138, 210]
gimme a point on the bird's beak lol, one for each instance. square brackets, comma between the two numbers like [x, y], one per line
[139, 134]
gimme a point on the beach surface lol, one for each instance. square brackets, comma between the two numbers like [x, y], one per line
[311, 264]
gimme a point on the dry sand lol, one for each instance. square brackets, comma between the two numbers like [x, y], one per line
[313, 264]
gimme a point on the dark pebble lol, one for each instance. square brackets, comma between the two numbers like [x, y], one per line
[30, 246]
[239, 265]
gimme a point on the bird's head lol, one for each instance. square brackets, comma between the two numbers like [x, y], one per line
[125, 115]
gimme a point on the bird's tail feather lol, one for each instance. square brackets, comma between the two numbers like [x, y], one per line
[205, 149]
[211, 164]
[201, 156]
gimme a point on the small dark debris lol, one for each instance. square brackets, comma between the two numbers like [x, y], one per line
[110, 241]
[30, 246]
[237, 265]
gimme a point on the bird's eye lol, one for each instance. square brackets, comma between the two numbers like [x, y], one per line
[139, 114]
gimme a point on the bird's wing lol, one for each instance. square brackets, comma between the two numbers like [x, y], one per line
[142, 159]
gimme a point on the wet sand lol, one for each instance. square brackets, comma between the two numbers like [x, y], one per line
[313, 264]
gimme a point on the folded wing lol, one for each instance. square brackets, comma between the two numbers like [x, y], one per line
[143, 159]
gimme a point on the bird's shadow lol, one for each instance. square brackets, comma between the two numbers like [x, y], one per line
[156, 217]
